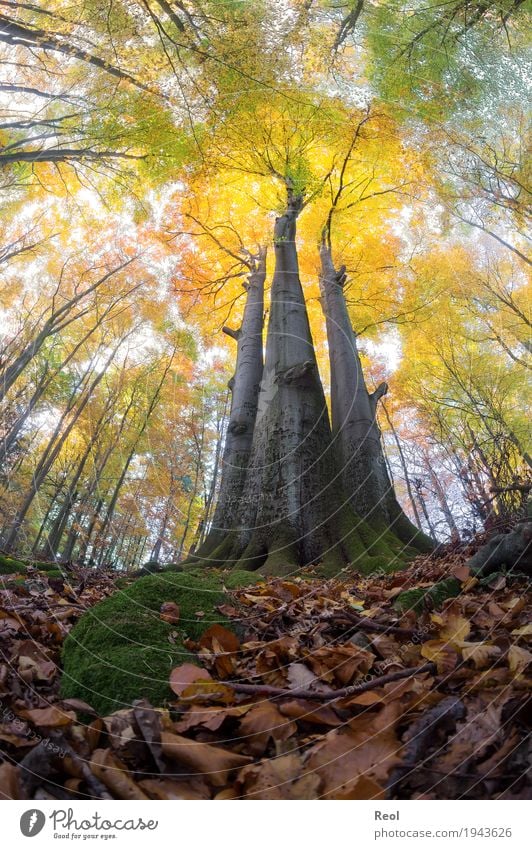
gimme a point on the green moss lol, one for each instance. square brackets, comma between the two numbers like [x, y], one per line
[121, 650]
[419, 598]
[8, 565]
[240, 578]
[448, 588]
[54, 573]
[368, 547]
[412, 600]
[44, 566]
[283, 554]
[11, 583]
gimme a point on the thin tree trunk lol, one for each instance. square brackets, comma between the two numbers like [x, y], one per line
[403, 465]
[51, 455]
[58, 320]
[245, 387]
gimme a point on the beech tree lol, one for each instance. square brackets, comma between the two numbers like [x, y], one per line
[306, 496]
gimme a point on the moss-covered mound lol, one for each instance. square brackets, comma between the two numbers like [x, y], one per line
[419, 598]
[10, 566]
[121, 649]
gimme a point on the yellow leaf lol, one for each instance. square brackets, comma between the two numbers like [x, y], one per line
[518, 659]
[482, 654]
[525, 631]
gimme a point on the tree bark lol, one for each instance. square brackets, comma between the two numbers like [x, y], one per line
[356, 433]
[245, 387]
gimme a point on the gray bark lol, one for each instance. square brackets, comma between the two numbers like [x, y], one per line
[285, 508]
[245, 387]
[356, 434]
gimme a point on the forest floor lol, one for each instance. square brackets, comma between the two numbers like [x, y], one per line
[332, 689]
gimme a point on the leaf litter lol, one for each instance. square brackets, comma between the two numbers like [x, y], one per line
[323, 688]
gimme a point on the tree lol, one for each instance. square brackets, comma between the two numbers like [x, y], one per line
[293, 507]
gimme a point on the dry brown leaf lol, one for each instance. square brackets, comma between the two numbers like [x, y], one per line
[441, 653]
[182, 676]
[208, 691]
[51, 716]
[300, 677]
[518, 659]
[454, 627]
[262, 723]
[342, 758]
[310, 712]
[482, 654]
[279, 778]
[212, 761]
[461, 573]
[363, 788]
[114, 774]
[210, 716]
[10, 783]
[228, 641]
[171, 789]
[525, 631]
[342, 663]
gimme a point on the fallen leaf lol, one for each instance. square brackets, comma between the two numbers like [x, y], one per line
[10, 784]
[518, 659]
[344, 757]
[262, 723]
[525, 631]
[227, 640]
[212, 761]
[114, 774]
[482, 654]
[441, 653]
[186, 674]
[170, 789]
[280, 778]
[51, 716]
[364, 788]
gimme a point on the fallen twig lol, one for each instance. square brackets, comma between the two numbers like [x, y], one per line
[332, 695]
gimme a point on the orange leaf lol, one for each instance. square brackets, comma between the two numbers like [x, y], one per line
[182, 676]
[50, 716]
[226, 639]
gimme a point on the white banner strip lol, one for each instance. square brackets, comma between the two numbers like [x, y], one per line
[255, 825]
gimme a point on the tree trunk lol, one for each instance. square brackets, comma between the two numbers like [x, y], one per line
[355, 430]
[404, 467]
[245, 387]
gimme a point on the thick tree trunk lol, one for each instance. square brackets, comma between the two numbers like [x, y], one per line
[288, 499]
[355, 430]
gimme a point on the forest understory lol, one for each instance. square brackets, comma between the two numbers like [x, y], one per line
[412, 685]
